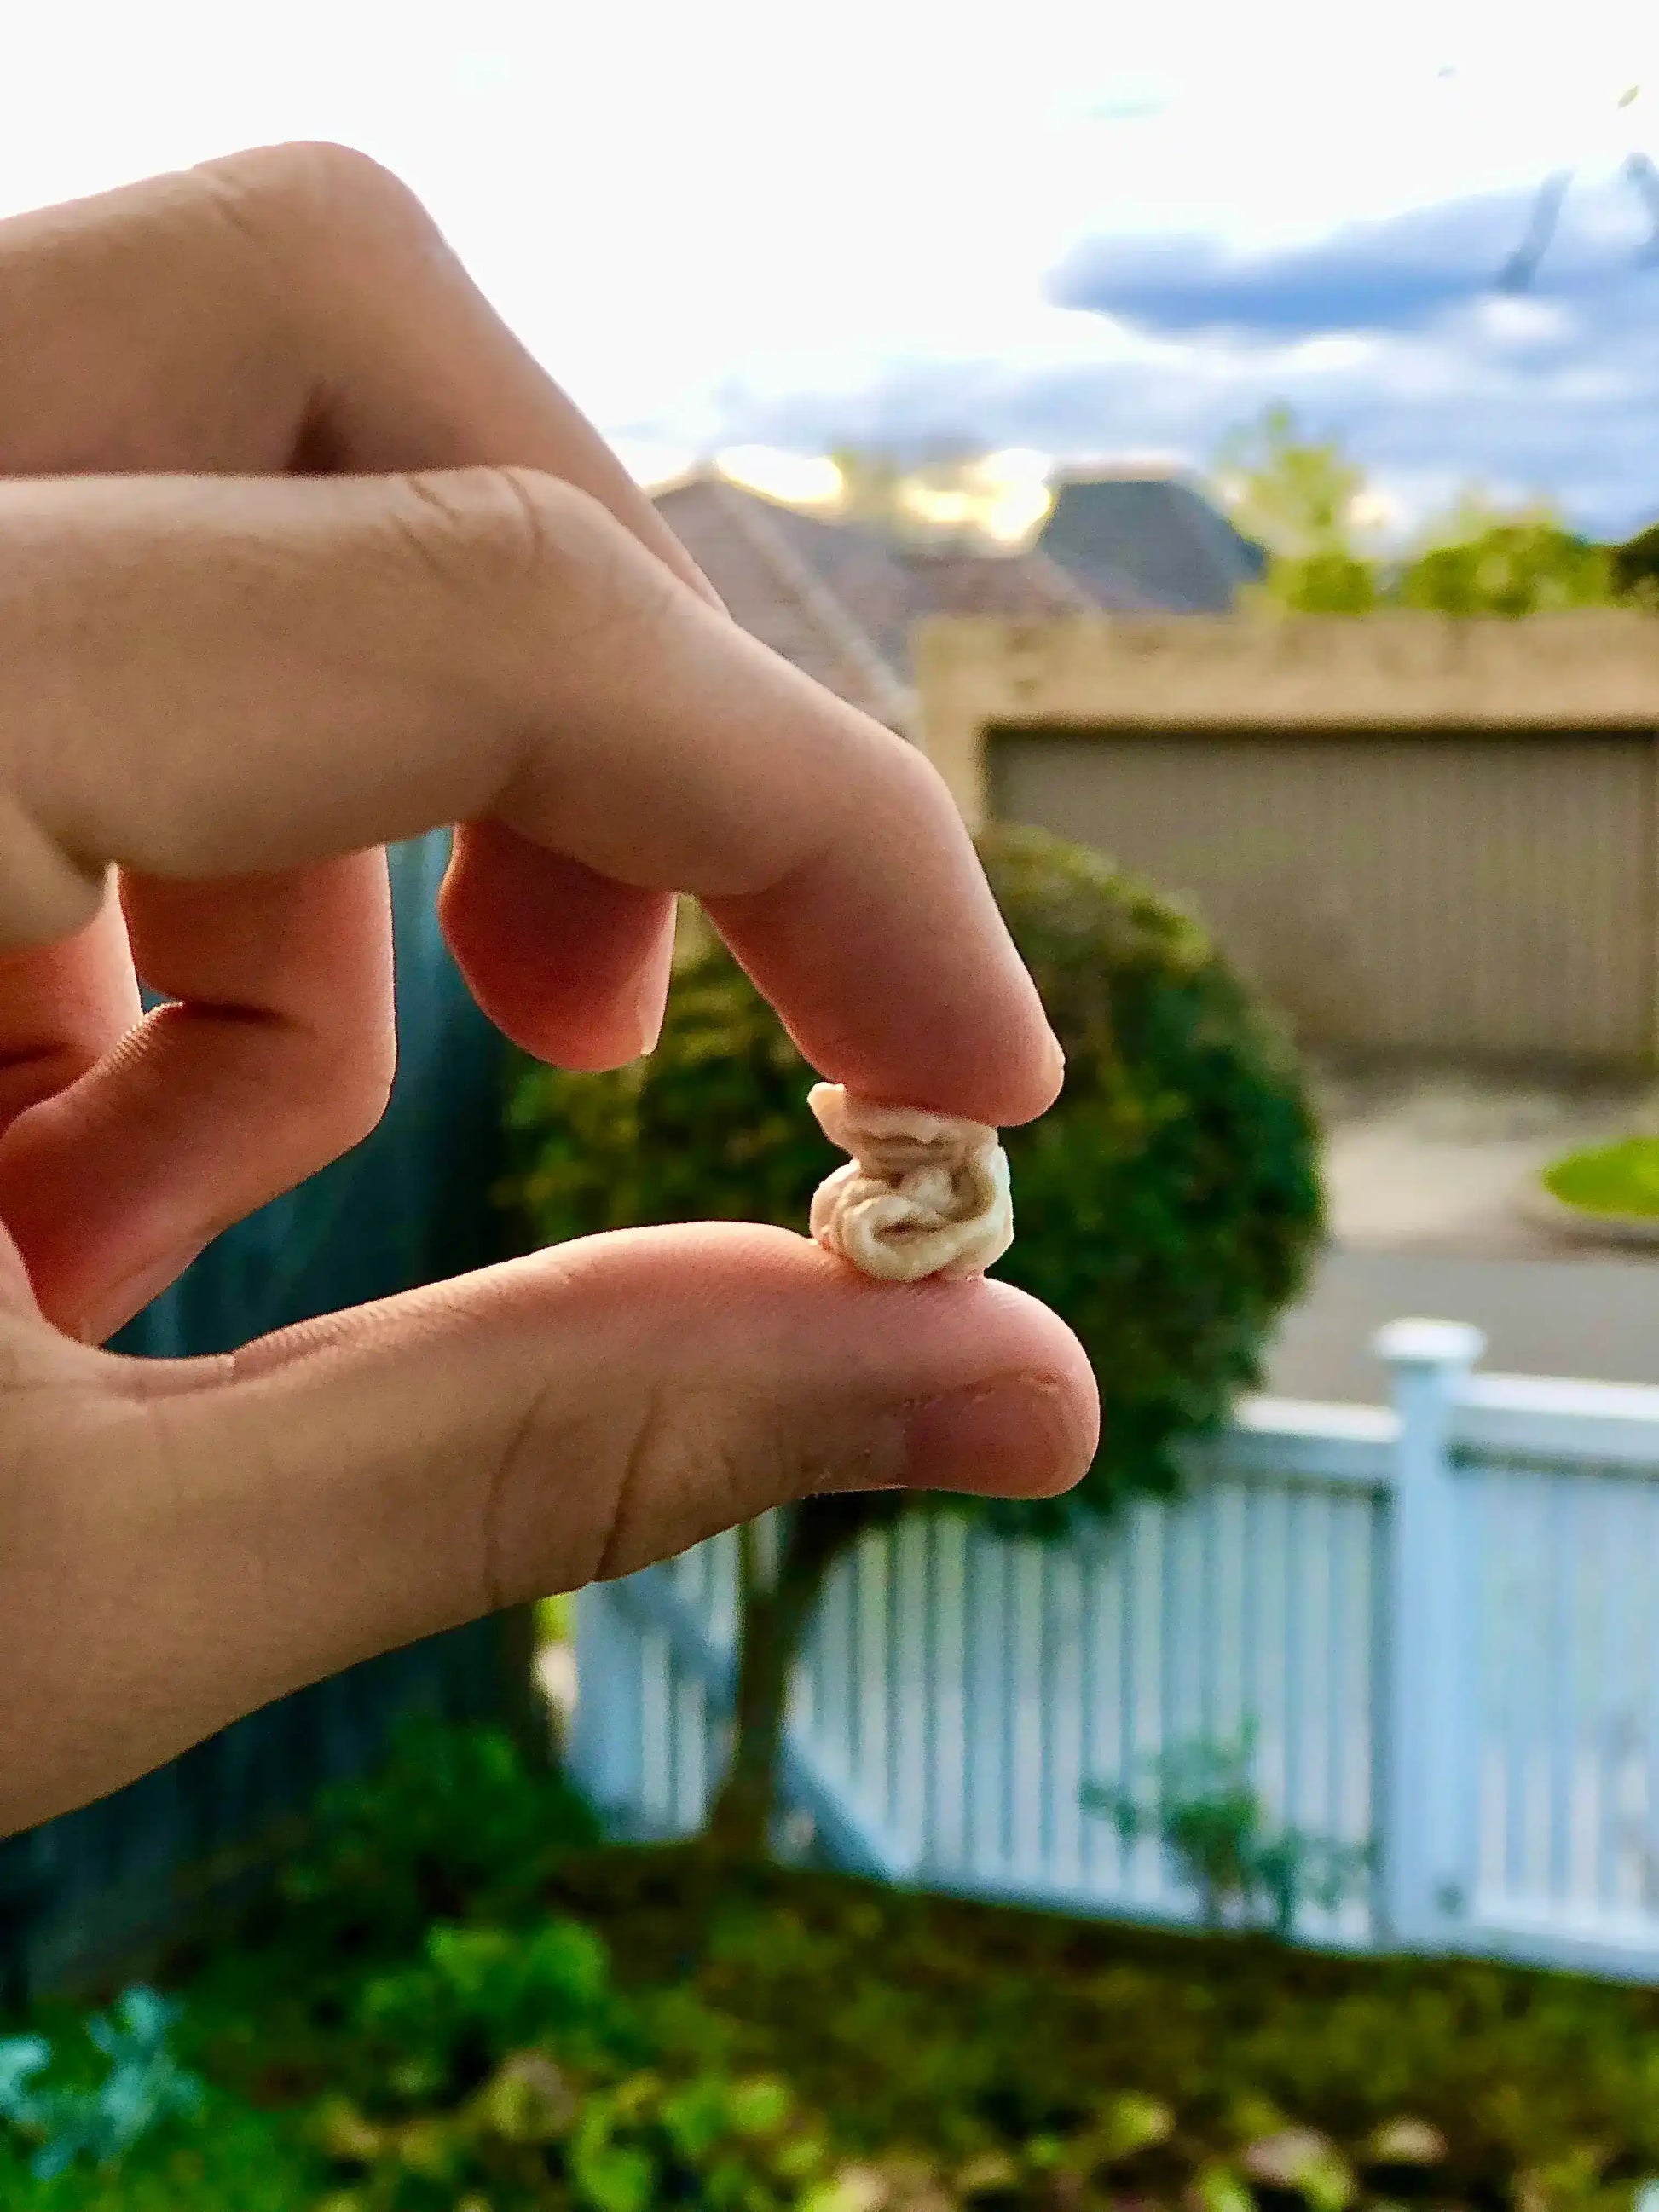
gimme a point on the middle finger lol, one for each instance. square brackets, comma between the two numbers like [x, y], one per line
[274, 1055]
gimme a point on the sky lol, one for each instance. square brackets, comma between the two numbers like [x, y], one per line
[927, 223]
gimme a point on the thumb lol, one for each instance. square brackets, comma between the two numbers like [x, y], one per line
[233, 1529]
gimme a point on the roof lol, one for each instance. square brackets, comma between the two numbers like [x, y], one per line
[769, 566]
[1159, 530]
[839, 599]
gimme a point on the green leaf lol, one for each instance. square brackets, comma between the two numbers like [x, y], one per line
[612, 2180]
[759, 2106]
[1133, 2122]
[1219, 2188]
[21, 2058]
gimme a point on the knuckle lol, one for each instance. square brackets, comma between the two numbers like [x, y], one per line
[521, 529]
[352, 1090]
[338, 1091]
[342, 179]
[919, 782]
[333, 1072]
[910, 787]
[359, 1105]
[456, 519]
[672, 1464]
[314, 188]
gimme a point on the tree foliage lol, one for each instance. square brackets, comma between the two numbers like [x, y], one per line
[1313, 510]
[1294, 495]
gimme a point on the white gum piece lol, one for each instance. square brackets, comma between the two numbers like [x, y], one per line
[922, 1194]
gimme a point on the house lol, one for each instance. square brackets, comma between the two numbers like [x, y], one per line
[839, 599]
[1158, 531]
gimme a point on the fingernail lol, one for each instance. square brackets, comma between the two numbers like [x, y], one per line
[651, 1008]
[1017, 1436]
[652, 1013]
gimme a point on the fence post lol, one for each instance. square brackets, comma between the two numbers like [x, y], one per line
[606, 1757]
[1426, 1686]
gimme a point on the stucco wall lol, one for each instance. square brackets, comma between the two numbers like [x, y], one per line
[1419, 836]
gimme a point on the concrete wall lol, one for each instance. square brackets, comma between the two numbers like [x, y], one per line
[1420, 836]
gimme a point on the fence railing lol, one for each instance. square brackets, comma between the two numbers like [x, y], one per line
[1435, 1621]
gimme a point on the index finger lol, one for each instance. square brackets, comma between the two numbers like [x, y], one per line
[283, 671]
[288, 309]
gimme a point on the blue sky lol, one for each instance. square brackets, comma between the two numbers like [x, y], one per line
[1025, 224]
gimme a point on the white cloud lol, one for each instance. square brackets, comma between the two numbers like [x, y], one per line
[667, 201]
[1515, 324]
[1334, 353]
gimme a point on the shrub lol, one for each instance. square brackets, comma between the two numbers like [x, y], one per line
[454, 1817]
[974, 2032]
[230, 2158]
[1200, 1800]
[441, 2022]
[1303, 502]
[1318, 584]
[1616, 1179]
[142, 2088]
[505, 2069]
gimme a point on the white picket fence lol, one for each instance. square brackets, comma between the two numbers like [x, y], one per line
[1438, 1618]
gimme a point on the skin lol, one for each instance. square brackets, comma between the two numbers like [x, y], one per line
[300, 554]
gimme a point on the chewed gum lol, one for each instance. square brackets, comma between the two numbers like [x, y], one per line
[922, 1194]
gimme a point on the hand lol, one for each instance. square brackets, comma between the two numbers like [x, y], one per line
[300, 554]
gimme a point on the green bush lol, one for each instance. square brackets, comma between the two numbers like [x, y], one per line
[1200, 1800]
[361, 2055]
[1636, 568]
[1302, 500]
[1621, 1178]
[535, 2137]
[142, 2088]
[1512, 567]
[1166, 1206]
[453, 1817]
[441, 2022]
[97, 2114]
[230, 2159]
[505, 2069]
